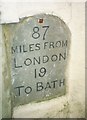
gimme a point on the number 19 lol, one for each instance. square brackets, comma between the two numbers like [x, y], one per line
[41, 73]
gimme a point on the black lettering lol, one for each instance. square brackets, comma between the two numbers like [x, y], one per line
[58, 44]
[62, 82]
[20, 49]
[46, 28]
[36, 33]
[24, 50]
[62, 56]
[37, 46]
[54, 57]
[14, 50]
[47, 85]
[45, 44]
[28, 90]
[45, 59]
[42, 72]
[64, 43]
[51, 45]
[30, 47]
[54, 83]
[39, 86]
[35, 60]
[15, 64]
[19, 89]
[28, 61]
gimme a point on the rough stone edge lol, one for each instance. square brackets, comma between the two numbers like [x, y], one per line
[6, 95]
[6, 49]
[49, 103]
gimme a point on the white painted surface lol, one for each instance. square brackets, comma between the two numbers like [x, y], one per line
[0, 72]
[11, 12]
[43, 1]
[54, 108]
[74, 16]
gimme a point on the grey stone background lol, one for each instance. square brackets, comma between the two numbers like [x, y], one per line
[74, 16]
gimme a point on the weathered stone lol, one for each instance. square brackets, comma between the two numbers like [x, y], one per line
[39, 56]
[6, 76]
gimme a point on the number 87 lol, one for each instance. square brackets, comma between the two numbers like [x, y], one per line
[36, 33]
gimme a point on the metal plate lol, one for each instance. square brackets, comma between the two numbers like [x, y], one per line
[39, 48]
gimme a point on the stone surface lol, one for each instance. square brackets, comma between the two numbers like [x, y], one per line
[39, 48]
[6, 76]
[76, 70]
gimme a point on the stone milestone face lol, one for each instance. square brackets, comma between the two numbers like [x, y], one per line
[39, 50]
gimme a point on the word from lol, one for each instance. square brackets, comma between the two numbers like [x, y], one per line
[36, 47]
